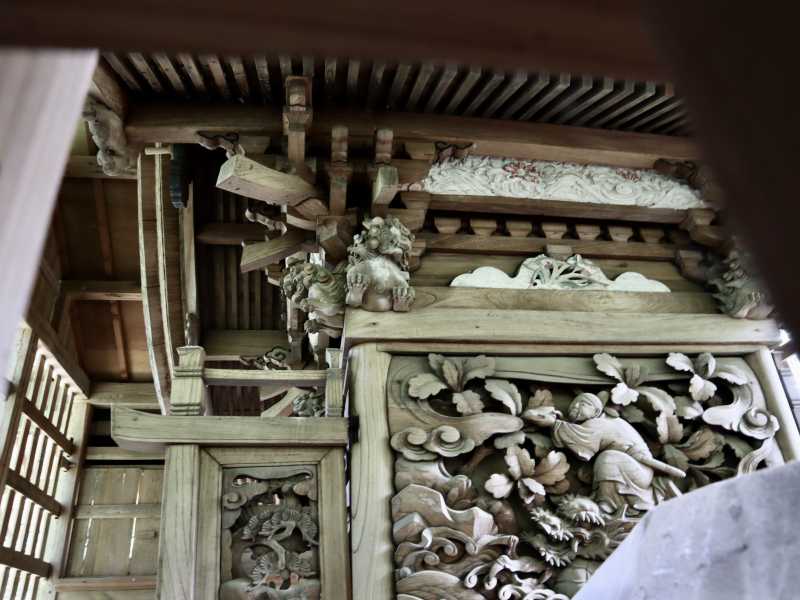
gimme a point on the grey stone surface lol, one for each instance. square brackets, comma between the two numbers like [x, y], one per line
[737, 539]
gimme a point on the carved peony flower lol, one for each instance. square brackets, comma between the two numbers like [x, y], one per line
[703, 369]
[529, 478]
[453, 374]
[630, 387]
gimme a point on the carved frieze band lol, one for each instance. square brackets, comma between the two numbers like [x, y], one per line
[517, 477]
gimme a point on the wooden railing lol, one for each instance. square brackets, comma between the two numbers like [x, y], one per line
[36, 455]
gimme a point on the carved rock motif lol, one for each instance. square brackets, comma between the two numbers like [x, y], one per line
[545, 273]
[488, 176]
[269, 520]
[377, 273]
[531, 510]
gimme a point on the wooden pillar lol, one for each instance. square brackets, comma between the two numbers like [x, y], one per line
[189, 395]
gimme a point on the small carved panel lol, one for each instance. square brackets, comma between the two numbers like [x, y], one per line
[270, 534]
[516, 477]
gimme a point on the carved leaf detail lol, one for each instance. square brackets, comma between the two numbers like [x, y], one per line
[609, 365]
[687, 408]
[739, 446]
[478, 367]
[468, 402]
[425, 385]
[705, 365]
[676, 457]
[529, 489]
[520, 464]
[701, 389]
[731, 374]
[633, 414]
[660, 400]
[516, 438]
[680, 362]
[623, 395]
[701, 444]
[452, 375]
[669, 428]
[552, 468]
[436, 361]
[498, 485]
[507, 393]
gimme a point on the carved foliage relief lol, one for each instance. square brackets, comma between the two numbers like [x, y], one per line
[516, 477]
[270, 534]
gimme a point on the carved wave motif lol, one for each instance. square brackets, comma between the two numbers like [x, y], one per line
[740, 415]
[543, 180]
[545, 273]
[434, 585]
[431, 507]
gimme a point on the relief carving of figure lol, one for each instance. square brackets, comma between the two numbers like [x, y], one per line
[377, 275]
[624, 467]
[319, 292]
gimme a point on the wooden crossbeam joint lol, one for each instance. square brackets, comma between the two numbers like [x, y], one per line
[15, 481]
[36, 416]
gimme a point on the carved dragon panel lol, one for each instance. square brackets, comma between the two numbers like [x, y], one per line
[270, 534]
[516, 477]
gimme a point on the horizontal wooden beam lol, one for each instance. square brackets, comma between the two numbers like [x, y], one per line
[15, 481]
[528, 246]
[156, 122]
[231, 234]
[487, 325]
[118, 511]
[86, 167]
[262, 254]
[137, 430]
[131, 395]
[554, 208]
[230, 344]
[565, 300]
[23, 562]
[116, 291]
[105, 584]
[30, 410]
[114, 454]
[255, 377]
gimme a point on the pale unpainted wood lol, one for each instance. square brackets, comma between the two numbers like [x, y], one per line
[209, 509]
[144, 555]
[573, 349]
[136, 430]
[148, 264]
[169, 263]
[563, 300]
[189, 395]
[120, 291]
[371, 486]
[177, 554]
[105, 591]
[246, 177]
[788, 436]
[113, 453]
[262, 254]
[528, 326]
[118, 511]
[59, 354]
[44, 94]
[188, 258]
[334, 551]
[255, 377]
[334, 393]
[492, 137]
[132, 395]
[230, 344]
[251, 457]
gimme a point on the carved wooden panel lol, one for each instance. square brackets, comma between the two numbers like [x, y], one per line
[516, 477]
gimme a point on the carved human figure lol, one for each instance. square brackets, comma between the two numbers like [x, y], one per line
[377, 275]
[624, 467]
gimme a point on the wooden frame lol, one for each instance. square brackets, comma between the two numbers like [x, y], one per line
[189, 555]
[372, 461]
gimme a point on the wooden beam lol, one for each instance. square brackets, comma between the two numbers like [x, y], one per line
[86, 167]
[528, 246]
[113, 454]
[136, 430]
[529, 326]
[493, 137]
[565, 300]
[188, 278]
[131, 395]
[23, 562]
[95, 290]
[16, 482]
[262, 254]
[253, 377]
[106, 88]
[231, 234]
[552, 208]
[41, 115]
[118, 511]
[230, 344]
[107, 585]
[53, 347]
[30, 410]
[384, 189]
[148, 267]
[246, 177]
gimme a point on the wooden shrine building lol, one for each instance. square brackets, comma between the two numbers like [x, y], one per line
[350, 329]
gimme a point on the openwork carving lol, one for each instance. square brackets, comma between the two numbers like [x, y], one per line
[377, 272]
[739, 293]
[108, 133]
[488, 176]
[270, 534]
[517, 477]
[545, 273]
[320, 292]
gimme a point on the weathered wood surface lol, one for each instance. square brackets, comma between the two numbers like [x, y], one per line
[494, 137]
[564, 300]
[246, 177]
[230, 344]
[114, 453]
[130, 395]
[137, 430]
[230, 234]
[334, 551]
[116, 291]
[371, 485]
[86, 167]
[258, 377]
[524, 326]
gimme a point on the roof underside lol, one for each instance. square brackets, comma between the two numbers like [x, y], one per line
[565, 99]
